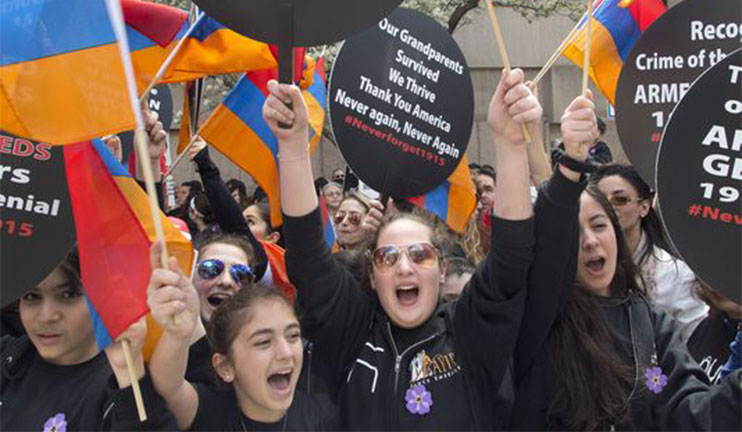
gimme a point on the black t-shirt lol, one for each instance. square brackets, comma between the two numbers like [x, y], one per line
[199, 369]
[709, 343]
[218, 411]
[50, 395]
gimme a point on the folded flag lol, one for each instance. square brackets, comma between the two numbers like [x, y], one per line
[114, 233]
[616, 26]
[454, 200]
[153, 30]
[236, 128]
[212, 49]
[277, 263]
[61, 81]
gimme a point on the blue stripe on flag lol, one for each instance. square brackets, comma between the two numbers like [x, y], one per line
[31, 30]
[102, 337]
[436, 201]
[620, 24]
[246, 102]
[114, 167]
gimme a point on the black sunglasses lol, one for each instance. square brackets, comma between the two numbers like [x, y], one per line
[212, 268]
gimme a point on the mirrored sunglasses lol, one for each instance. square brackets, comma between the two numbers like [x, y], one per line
[420, 254]
[213, 268]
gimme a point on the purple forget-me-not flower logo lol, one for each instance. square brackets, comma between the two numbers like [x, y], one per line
[419, 400]
[656, 380]
[56, 423]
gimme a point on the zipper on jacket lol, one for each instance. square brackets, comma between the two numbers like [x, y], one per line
[633, 350]
[398, 357]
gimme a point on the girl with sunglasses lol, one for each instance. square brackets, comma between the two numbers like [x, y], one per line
[257, 356]
[399, 358]
[55, 378]
[591, 353]
[670, 284]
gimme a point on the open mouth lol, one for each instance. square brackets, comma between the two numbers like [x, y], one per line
[596, 264]
[217, 298]
[47, 338]
[407, 295]
[280, 382]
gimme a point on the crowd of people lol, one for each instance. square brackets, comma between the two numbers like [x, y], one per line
[562, 306]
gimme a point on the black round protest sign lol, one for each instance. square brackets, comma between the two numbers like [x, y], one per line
[402, 104]
[37, 227]
[699, 176]
[683, 42]
[161, 102]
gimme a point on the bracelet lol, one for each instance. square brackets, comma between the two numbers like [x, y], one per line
[581, 167]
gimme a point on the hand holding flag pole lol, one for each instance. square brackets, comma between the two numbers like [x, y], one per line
[504, 56]
[117, 21]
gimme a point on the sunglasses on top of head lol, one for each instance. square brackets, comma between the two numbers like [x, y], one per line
[213, 268]
[420, 254]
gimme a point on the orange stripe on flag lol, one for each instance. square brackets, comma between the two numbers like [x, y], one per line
[462, 198]
[605, 62]
[228, 134]
[56, 100]
[224, 51]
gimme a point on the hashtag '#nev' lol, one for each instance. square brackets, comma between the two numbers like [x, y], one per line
[694, 210]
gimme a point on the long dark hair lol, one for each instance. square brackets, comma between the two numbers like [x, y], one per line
[593, 386]
[651, 224]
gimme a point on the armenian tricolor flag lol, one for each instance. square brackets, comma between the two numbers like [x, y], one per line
[454, 200]
[153, 31]
[209, 48]
[61, 75]
[212, 49]
[616, 26]
[236, 128]
[114, 233]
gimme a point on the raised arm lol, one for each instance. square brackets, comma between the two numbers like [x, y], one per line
[173, 302]
[557, 234]
[489, 311]
[334, 308]
[228, 214]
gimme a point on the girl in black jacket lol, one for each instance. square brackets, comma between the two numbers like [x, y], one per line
[55, 378]
[591, 353]
[257, 356]
[399, 358]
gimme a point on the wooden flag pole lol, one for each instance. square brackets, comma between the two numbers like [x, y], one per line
[181, 156]
[149, 182]
[134, 381]
[554, 57]
[588, 37]
[168, 60]
[504, 56]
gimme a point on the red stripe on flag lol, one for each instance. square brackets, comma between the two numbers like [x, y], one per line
[156, 21]
[113, 246]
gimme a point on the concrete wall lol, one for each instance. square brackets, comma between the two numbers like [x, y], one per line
[529, 47]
